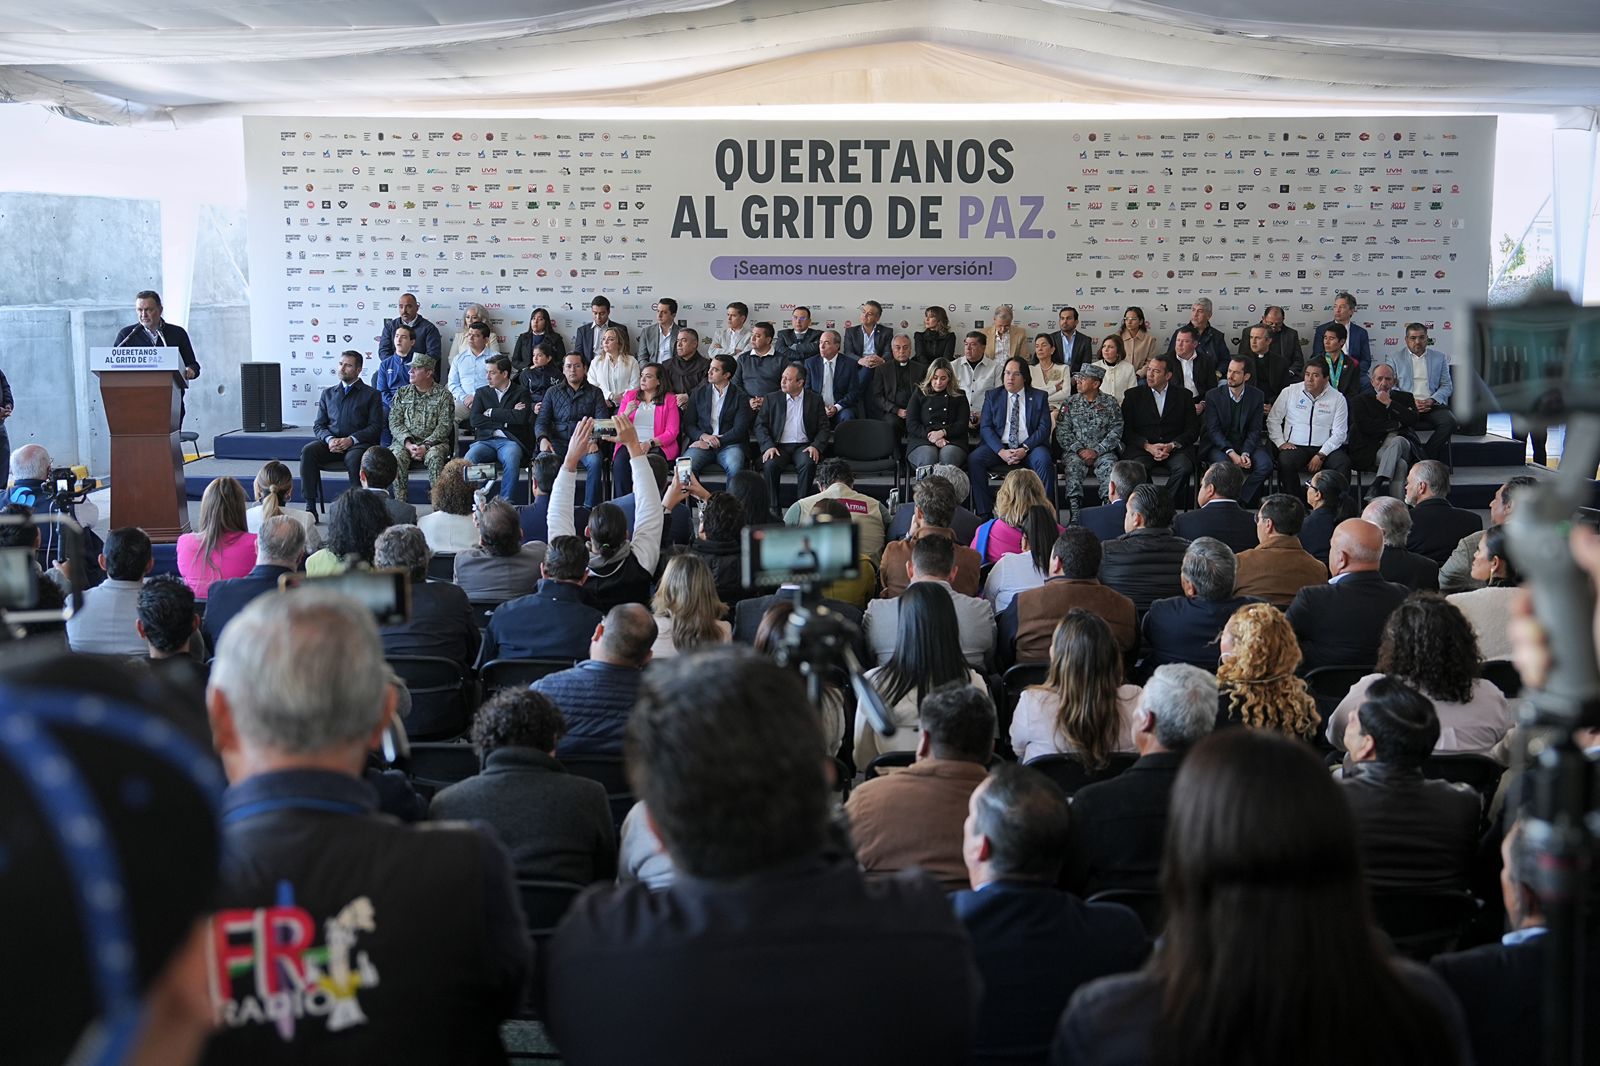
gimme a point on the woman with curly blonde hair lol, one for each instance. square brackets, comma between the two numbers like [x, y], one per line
[1259, 688]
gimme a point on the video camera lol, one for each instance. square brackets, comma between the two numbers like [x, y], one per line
[23, 600]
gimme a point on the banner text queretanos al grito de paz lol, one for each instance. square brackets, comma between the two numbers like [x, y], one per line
[802, 164]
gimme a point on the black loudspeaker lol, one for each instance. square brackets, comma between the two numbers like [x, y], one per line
[261, 397]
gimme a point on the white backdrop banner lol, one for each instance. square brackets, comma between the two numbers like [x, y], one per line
[347, 214]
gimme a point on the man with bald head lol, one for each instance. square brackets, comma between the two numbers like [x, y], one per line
[1383, 434]
[1340, 623]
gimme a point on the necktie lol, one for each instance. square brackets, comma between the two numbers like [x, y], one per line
[1014, 422]
[827, 382]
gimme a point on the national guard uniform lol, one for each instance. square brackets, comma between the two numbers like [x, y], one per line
[1093, 424]
[422, 417]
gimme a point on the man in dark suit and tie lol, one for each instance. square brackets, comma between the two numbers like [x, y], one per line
[1436, 526]
[1341, 623]
[792, 430]
[1034, 943]
[349, 421]
[837, 379]
[719, 420]
[1015, 430]
[1233, 429]
[1219, 514]
[280, 546]
[1159, 423]
[424, 334]
[1107, 521]
[152, 332]
[1075, 348]
[870, 338]
[1357, 344]
[587, 340]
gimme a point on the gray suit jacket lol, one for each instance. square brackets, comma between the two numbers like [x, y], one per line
[400, 512]
[487, 578]
[648, 350]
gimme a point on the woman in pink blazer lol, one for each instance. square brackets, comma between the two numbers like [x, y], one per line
[654, 412]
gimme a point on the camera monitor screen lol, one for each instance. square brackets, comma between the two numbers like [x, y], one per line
[777, 555]
[19, 585]
[386, 593]
[1539, 359]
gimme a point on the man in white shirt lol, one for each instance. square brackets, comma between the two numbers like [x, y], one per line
[976, 374]
[1309, 424]
[933, 559]
[792, 430]
[468, 373]
[105, 624]
[734, 339]
[718, 419]
[658, 342]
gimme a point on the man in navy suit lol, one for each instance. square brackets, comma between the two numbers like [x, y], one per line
[871, 338]
[1357, 344]
[551, 622]
[349, 421]
[1233, 428]
[424, 334]
[587, 341]
[1075, 348]
[151, 331]
[1219, 514]
[720, 419]
[1106, 521]
[1034, 943]
[280, 546]
[1341, 623]
[1015, 430]
[1185, 629]
[1159, 423]
[837, 379]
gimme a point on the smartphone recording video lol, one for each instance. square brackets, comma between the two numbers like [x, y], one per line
[781, 555]
[684, 471]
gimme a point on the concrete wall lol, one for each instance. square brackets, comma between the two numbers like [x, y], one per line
[74, 263]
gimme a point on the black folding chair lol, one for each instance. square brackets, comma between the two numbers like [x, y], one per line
[1070, 772]
[889, 760]
[869, 446]
[611, 773]
[545, 903]
[443, 695]
[518, 673]
[439, 764]
[1481, 773]
[1423, 924]
[1331, 684]
[1504, 676]
[442, 566]
[1145, 902]
[1017, 679]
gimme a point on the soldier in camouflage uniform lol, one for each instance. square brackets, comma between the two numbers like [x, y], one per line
[1090, 434]
[422, 422]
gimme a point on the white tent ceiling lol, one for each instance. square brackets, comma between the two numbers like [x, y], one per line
[179, 61]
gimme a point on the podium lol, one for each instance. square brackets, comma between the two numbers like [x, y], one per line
[140, 391]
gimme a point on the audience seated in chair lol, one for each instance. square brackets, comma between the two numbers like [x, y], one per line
[1329, 502]
[1429, 645]
[933, 561]
[104, 624]
[1278, 566]
[719, 544]
[1020, 493]
[451, 526]
[766, 907]
[933, 513]
[621, 567]
[442, 622]
[554, 825]
[564, 407]
[1160, 426]
[963, 523]
[1144, 564]
[1107, 520]
[1027, 568]
[1118, 825]
[1261, 867]
[1399, 565]
[1339, 623]
[280, 546]
[927, 653]
[349, 420]
[1233, 430]
[1083, 708]
[913, 817]
[597, 695]
[379, 469]
[1186, 629]
[173, 648]
[1456, 574]
[273, 486]
[1027, 627]
[836, 481]
[792, 430]
[1034, 943]
[222, 547]
[856, 591]
[1219, 514]
[688, 614]
[500, 567]
[422, 425]
[552, 622]
[1437, 526]
[1259, 687]
[354, 522]
[1415, 834]
[1489, 608]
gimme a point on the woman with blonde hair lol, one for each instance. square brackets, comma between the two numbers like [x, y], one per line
[687, 609]
[449, 526]
[274, 485]
[223, 547]
[1020, 492]
[614, 371]
[936, 419]
[1083, 707]
[1258, 685]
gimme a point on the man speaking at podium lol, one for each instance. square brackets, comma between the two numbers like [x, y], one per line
[151, 332]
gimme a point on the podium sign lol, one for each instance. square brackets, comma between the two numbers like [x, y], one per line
[140, 390]
[166, 358]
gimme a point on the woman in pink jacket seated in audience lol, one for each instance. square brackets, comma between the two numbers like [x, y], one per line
[654, 411]
[223, 548]
[1002, 535]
